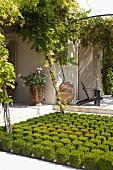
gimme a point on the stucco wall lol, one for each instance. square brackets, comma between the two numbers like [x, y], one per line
[89, 70]
[27, 60]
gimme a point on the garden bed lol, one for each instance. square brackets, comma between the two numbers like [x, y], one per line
[77, 140]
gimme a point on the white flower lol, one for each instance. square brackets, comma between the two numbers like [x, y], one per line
[39, 68]
[20, 75]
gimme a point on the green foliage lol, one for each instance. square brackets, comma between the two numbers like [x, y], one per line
[98, 31]
[72, 137]
[103, 147]
[102, 138]
[9, 12]
[90, 161]
[34, 79]
[96, 141]
[83, 149]
[106, 161]
[17, 146]
[62, 155]
[27, 148]
[63, 135]
[7, 73]
[7, 142]
[49, 153]
[77, 151]
[83, 139]
[57, 145]
[51, 33]
[75, 158]
[77, 143]
[98, 151]
[90, 145]
[37, 151]
[65, 141]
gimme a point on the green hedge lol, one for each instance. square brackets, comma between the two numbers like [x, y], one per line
[77, 139]
[75, 158]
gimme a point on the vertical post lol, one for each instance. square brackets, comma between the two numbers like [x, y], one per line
[97, 95]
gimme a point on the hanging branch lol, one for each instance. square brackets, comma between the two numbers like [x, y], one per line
[94, 16]
[64, 78]
[54, 84]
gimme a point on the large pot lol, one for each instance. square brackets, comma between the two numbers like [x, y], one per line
[37, 93]
[66, 92]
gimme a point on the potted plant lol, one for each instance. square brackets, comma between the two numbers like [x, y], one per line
[36, 82]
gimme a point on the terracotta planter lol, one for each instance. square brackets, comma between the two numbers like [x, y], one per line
[66, 92]
[37, 93]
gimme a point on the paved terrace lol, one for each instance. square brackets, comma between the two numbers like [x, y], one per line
[21, 112]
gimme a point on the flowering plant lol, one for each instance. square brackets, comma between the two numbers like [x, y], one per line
[33, 79]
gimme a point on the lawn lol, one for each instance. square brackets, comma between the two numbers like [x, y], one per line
[77, 140]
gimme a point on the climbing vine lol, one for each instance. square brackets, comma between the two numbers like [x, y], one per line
[98, 31]
[48, 26]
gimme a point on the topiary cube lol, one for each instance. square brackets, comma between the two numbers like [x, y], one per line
[75, 158]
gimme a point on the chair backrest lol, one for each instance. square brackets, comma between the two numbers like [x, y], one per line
[85, 90]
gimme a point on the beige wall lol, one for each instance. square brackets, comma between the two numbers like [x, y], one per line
[89, 70]
[27, 60]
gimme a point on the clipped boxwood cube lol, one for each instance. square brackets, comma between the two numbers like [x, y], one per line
[37, 141]
[90, 161]
[53, 133]
[78, 133]
[77, 143]
[75, 158]
[106, 162]
[63, 135]
[70, 147]
[72, 137]
[46, 143]
[96, 141]
[45, 137]
[65, 141]
[28, 139]
[49, 153]
[103, 147]
[98, 151]
[54, 138]
[17, 146]
[37, 151]
[27, 149]
[84, 131]
[57, 145]
[83, 149]
[62, 155]
[83, 139]
[2, 136]
[95, 132]
[26, 133]
[102, 138]
[36, 135]
[106, 134]
[90, 145]
[89, 135]
[7, 142]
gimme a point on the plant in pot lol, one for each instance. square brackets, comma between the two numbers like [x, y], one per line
[36, 82]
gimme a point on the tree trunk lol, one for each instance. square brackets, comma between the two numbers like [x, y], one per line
[54, 85]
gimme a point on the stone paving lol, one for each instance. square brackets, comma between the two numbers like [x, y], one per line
[14, 162]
